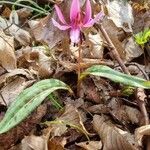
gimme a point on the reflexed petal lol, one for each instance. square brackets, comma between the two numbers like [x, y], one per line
[75, 9]
[60, 15]
[91, 22]
[61, 27]
[99, 16]
[88, 12]
[75, 35]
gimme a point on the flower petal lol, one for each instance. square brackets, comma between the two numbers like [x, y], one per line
[74, 10]
[60, 15]
[75, 35]
[99, 16]
[91, 22]
[61, 27]
[88, 12]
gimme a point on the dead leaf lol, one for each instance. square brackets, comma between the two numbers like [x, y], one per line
[45, 32]
[57, 143]
[110, 135]
[22, 36]
[97, 47]
[71, 117]
[91, 145]
[121, 14]
[35, 58]
[141, 132]
[132, 50]
[6, 76]
[13, 89]
[7, 56]
[34, 143]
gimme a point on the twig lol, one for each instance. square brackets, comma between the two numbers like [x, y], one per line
[140, 94]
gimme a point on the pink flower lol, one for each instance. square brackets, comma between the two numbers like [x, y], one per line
[77, 21]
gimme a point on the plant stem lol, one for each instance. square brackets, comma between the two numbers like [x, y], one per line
[25, 6]
[79, 71]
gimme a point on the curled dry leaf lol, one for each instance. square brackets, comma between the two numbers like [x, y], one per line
[99, 109]
[34, 143]
[22, 36]
[70, 117]
[6, 76]
[13, 89]
[97, 47]
[117, 10]
[141, 132]
[132, 49]
[57, 143]
[35, 58]
[7, 56]
[110, 135]
[44, 31]
[91, 145]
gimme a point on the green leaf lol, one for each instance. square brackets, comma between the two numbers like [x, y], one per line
[116, 76]
[142, 37]
[28, 100]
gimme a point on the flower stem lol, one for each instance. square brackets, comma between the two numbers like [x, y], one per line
[79, 70]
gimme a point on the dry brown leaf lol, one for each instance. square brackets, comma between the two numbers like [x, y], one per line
[126, 114]
[97, 47]
[22, 36]
[132, 49]
[70, 117]
[7, 56]
[34, 143]
[141, 132]
[57, 143]
[110, 136]
[45, 32]
[35, 58]
[98, 109]
[121, 14]
[6, 76]
[13, 89]
[91, 145]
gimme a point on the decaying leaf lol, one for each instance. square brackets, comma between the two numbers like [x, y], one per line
[121, 14]
[6, 76]
[35, 58]
[13, 89]
[21, 35]
[96, 45]
[132, 49]
[141, 132]
[110, 135]
[57, 143]
[7, 56]
[34, 143]
[91, 145]
[70, 117]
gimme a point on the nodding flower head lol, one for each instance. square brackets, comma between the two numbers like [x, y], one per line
[77, 19]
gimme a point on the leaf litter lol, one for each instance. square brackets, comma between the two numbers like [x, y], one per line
[104, 115]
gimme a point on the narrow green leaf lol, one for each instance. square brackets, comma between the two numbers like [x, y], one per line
[28, 100]
[116, 76]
